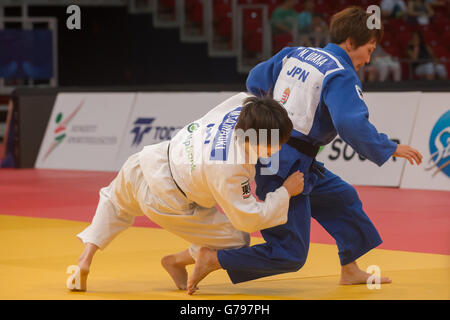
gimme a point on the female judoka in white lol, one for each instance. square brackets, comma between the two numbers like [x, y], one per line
[178, 184]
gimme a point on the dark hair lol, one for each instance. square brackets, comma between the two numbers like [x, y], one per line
[352, 23]
[265, 113]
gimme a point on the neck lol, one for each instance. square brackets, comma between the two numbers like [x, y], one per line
[343, 46]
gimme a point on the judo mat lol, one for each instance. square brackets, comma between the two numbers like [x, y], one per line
[41, 211]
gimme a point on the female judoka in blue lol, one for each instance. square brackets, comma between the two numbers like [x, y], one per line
[322, 94]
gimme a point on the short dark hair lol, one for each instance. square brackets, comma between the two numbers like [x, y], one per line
[265, 113]
[352, 23]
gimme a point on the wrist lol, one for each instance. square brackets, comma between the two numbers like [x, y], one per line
[287, 190]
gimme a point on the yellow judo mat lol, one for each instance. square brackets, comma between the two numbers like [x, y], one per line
[35, 254]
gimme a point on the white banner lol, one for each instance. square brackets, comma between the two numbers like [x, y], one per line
[392, 114]
[99, 131]
[85, 131]
[431, 137]
[158, 116]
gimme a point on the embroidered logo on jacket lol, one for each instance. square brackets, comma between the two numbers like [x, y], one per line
[222, 139]
[359, 92]
[246, 190]
[285, 96]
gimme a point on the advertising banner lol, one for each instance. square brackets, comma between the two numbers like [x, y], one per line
[391, 113]
[158, 116]
[431, 137]
[85, 130]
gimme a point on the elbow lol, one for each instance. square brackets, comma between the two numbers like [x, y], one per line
[342, 129]
[348, 127]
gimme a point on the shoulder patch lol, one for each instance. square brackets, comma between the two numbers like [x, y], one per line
[359, 92]
[246, 190]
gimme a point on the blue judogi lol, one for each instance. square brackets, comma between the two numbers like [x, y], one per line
[322, 94]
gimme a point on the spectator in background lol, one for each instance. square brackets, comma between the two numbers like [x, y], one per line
[420, 11]
[424, 64]
[437, 3]
[367, 73]
[284, 17]
[380, 67]
[319, 36]
[385, 64]
[305, 19]
[393, 8]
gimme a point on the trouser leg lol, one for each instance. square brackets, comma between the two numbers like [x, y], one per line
[117, 206]
[285, 249]
[336, 206]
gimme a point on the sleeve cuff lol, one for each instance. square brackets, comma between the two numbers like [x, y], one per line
[284, 203]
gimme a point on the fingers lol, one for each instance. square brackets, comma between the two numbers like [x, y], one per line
[415, 155]
[297, 174]
[294, 183]
[411, 154]
[418, 156]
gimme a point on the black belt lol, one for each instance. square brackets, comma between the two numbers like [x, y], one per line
[303, 147]
[310, 150]
[170, 170]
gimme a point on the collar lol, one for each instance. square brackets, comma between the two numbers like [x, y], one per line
[339, 52]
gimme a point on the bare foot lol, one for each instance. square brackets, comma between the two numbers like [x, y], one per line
[176, 271]
[206, 263]
[351, 274]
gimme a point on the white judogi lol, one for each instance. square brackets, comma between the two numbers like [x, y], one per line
[202, 166]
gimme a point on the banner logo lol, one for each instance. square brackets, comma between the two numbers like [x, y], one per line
[60, 131]
[142, 126]
[439, 145]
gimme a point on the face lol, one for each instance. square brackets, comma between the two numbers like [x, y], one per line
[361, 56]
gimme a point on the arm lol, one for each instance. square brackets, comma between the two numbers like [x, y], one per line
[231, 190]
[261, 79]
[350, 117]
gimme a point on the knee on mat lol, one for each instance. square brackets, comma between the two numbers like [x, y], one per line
[296, 262]
[293, 267]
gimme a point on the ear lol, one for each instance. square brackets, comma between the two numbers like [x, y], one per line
[349, 45]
